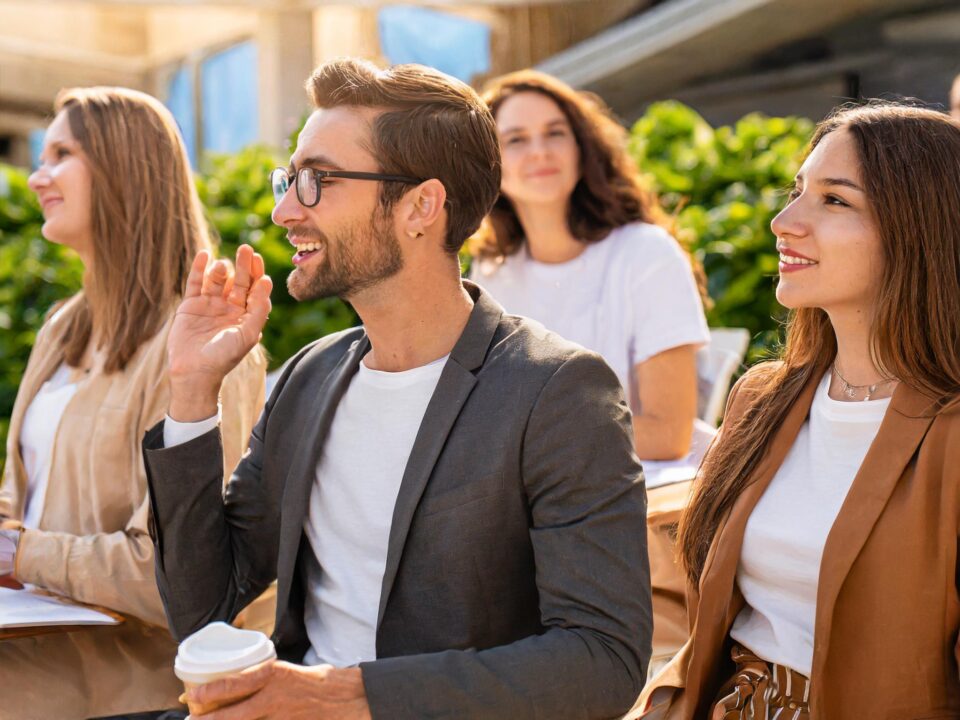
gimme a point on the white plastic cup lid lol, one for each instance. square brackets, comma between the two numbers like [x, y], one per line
[219, 649]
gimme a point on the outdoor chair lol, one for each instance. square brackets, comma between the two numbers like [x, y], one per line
[716, 365]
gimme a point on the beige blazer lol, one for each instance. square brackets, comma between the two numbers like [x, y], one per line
[888, 611]
[92, 543]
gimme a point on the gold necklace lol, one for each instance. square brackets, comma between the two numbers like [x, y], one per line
[850, 390]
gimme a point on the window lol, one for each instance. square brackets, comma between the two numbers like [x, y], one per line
[214, 100]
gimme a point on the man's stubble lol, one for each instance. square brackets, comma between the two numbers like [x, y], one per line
[357, 259]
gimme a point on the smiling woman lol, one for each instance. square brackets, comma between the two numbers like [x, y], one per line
[115, 186]
[821, 541]
[573, 242]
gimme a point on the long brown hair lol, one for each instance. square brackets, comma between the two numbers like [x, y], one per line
[910, 165]
[608, 195]
[147, 221]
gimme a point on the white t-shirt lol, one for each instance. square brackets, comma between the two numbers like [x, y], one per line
[627, 297]
[351, 508]
[779, 566]
[37, 435]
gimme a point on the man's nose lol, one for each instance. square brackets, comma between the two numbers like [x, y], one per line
[288, 211]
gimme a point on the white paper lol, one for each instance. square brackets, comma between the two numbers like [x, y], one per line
[657, 473]
[26, 608]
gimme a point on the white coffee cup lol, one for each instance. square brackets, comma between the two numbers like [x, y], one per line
[216, 651]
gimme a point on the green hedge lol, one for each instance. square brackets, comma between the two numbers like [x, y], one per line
[724, 185]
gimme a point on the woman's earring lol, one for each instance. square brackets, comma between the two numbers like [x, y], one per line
[414, 234]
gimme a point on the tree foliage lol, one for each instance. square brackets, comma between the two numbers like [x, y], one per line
[724, 185]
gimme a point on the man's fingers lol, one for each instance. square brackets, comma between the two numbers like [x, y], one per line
[258, 307]
[258, 267]
[195, 278]
[228, 286]
[254, 707]
[235, 687]
[214, 279]
[242, 279]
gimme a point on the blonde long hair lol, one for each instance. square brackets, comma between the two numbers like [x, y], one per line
[147, 221]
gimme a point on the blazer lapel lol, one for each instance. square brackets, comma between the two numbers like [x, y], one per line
[302, 472]
[456, 382]
[720, 600]
[903, 428]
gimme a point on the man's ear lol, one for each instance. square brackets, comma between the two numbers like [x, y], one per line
[424, 208]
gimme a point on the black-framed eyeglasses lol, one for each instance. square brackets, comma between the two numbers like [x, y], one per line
[309, 182]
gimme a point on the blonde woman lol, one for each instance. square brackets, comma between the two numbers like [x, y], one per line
[114, 184]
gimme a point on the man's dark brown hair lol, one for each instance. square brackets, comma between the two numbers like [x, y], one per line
[432, 126]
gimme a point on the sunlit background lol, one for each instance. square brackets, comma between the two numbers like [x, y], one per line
[233, 72]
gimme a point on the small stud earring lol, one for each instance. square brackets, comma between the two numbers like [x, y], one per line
[414, 234]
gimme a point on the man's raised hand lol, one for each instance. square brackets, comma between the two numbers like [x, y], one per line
[216, 325]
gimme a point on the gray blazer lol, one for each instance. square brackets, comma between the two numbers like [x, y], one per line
[517, 583]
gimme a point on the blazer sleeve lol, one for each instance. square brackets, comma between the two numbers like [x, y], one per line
[587, 508]
[116, 569]
[230, 534]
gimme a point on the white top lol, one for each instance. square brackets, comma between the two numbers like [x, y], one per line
[780, 560]
[351, 508]
[627, 297]
[37, 435]
[351, 505]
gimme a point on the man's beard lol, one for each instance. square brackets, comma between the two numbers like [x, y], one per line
[357, 259]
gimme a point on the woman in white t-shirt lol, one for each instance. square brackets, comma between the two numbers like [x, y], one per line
[571, 243]
[821, 541]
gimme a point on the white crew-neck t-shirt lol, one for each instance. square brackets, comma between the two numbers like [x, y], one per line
[628, 297]
[351, 508]
[785, 535]
[37, 436]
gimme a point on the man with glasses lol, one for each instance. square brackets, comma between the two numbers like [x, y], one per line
[447, 495]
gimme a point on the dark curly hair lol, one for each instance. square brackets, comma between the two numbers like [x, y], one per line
[609, 193]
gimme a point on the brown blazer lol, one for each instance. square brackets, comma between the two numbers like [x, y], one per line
[888, 611]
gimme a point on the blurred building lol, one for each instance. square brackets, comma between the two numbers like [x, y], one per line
[730, 57]
[233, 71]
